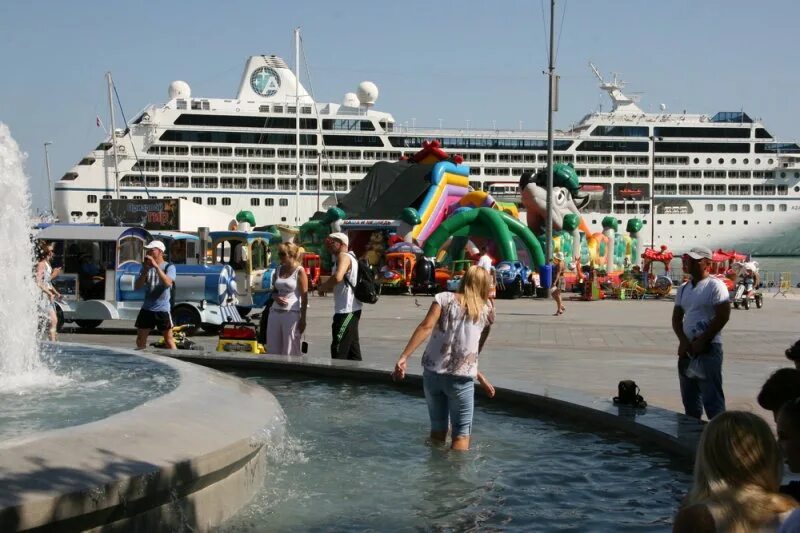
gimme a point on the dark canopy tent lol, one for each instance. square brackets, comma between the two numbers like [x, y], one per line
[386, 190]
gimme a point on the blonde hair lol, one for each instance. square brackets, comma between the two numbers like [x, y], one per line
[290, 248]
[738, 471]
[475, 290]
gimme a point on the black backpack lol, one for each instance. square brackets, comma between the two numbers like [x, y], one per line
[365, 288]
[629, 394]
[173, 287]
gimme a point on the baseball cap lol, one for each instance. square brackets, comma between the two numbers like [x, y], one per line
[700, 252]
[341, 237]
[156, 244]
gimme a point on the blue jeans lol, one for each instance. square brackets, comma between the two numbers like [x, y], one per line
[450, 399]
[698, 394]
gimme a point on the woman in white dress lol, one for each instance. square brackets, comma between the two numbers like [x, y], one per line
[45, 274]
[287, 316]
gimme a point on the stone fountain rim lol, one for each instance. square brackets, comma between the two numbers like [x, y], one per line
[136, 462]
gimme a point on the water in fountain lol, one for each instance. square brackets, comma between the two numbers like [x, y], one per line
[20, 363]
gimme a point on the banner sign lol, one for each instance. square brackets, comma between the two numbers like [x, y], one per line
[154, 214]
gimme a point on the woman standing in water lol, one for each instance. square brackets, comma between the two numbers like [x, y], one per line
[450, 361]
[44, 279]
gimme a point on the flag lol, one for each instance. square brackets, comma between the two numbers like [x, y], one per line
[99, 124]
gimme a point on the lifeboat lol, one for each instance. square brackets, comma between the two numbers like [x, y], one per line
[630, 193]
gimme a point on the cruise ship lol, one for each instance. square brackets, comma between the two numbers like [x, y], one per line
[720, 180]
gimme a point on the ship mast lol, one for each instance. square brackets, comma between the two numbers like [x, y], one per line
[113, 132]
[297, 123]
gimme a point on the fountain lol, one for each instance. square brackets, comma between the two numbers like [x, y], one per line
[20, 364]
[94, 438]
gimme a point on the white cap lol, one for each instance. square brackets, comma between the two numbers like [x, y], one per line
[156, 244]
[341, 237]
[700, 252]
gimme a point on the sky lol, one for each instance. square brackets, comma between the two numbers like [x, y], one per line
[470, 63]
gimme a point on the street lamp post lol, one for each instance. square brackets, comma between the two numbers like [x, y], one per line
[49, 181]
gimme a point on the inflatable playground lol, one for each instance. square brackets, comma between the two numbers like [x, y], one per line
[419, 225]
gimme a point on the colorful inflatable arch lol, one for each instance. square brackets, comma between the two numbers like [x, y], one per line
[487, 222]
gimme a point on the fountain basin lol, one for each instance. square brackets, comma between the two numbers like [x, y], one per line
[191, 457]
[666, 430]
[543, 457]
[79, 387]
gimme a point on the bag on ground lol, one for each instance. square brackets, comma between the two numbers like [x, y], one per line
[628, 394]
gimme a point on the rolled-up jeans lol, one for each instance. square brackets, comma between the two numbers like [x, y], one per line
[706, 393]
[450, 399]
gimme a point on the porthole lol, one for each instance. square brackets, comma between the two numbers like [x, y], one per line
[770, 161]
[796, 175]
[783, 174]
[708, 161]
[796, 188]
[733, 161]
[696, 160]
[746, 161]
[758, 161]
[721, 161]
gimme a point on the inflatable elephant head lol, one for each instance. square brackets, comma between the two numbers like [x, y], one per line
[567, 198]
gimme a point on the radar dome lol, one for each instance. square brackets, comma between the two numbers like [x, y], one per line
[367, 92]
[350, 100]
[179, 89]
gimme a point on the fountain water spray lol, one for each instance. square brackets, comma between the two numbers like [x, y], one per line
[20, 297]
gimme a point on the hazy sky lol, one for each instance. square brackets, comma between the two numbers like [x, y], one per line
[470, 60]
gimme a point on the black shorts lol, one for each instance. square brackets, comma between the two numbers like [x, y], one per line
[160, 320]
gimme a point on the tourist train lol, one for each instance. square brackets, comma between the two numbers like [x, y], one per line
[720, 180]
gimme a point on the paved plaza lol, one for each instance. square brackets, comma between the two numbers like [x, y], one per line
[589, 348]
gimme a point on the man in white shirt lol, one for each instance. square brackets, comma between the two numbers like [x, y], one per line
[485, 261]
[702, 308]
[347, 308]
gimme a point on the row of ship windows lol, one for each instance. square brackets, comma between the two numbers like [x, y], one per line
[708, 222]
[215, 151]
[210, 200]
[288, 169]
[746, 207]
[310, 184]
[732, 190]
[281, 184]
